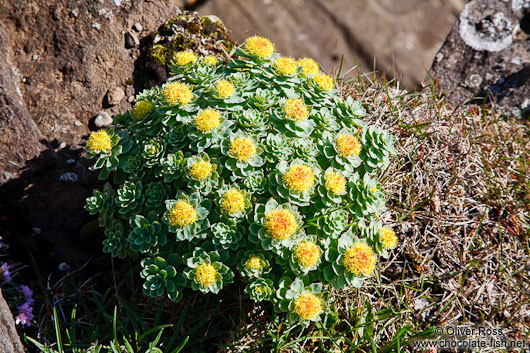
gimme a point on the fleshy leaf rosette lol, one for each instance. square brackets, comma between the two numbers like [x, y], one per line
[251, 170]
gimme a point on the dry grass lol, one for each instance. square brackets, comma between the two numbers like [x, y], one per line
[459, 196]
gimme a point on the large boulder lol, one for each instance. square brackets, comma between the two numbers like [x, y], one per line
[67, 56]
[487, 56]
[400, 37]
[62, 63]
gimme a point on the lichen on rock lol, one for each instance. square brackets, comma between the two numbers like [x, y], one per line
[205, 35]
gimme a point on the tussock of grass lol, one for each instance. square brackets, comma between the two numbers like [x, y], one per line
[459, 196]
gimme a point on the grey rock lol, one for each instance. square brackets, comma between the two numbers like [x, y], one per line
[115, 95]
[399, 36]
[9, 340]
[103, 119]
[487, 56]
[131, 40]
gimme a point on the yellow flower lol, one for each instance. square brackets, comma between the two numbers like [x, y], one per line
[206, 275]
[177, 93]
[99, 141]
[201, 170]
[309, 66]
[259, 46]
[388, 238]
[142, 108]
[224, 89]
[208, 120]
[299, 177]
[280, 224]
[255, 263]
[182, 214]
[185, 57]
[296, 109]
[308, 306]
[348, 145]
[307, 254]
[242, 148]
[325, 82]
[285, 65]
[335, 182]
[210, 60]
[359, 259]
[233, 201]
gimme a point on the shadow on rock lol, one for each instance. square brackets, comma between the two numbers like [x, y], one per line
[42, 211]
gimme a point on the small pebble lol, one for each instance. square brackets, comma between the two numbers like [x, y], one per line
[71, 177]
[137, 27]
[131, 40]
[77, 123]
[103, 119]
[75, 12]
[115, 95]
[96, 26]
[63, 266]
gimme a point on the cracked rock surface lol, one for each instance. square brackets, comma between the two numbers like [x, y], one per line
[487, 56]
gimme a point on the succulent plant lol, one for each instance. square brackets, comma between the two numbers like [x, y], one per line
[254, 168]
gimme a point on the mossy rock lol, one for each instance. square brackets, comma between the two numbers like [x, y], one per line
[205, 35]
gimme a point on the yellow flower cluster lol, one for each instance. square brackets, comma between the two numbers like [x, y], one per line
[280, 224]
[388, 238]
[242, 148]
[335, 182]
[285, 65]
[308, 306]
[182, 214]
[359, 259]
[259, 46]
[177, 93]
[254, 263]
[348, 145]
[307, 254]
[309, 66]
[208, 120]
[99, 141]
[233, 201]
[324, 82]
[224, 89]
[299, 177]
[185, 57]
[210, 60]
[205, 275]
[142, 108]
[201, 170]
[296, 109]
